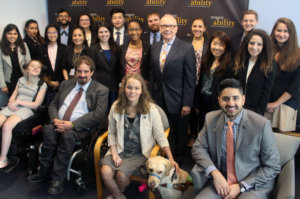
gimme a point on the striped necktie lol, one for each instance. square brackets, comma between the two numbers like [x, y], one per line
[230, 160]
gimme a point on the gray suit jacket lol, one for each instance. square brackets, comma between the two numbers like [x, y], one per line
[6, 66]
[96, 99]
[256, 155]
[178, 80]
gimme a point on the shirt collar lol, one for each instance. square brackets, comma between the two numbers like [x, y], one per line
[66, 30]
[84, 87]
[237, 120]
[121, 30]
[171, 42]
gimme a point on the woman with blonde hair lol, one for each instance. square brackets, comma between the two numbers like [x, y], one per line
[134, 127]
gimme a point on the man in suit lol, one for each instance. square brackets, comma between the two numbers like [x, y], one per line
[78, 108]
[235, 149]
[117, 16]
[64, 19]
[153, 36]
[249, 22]
[172, 81]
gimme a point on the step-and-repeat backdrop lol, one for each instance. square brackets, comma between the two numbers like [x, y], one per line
[221, 15]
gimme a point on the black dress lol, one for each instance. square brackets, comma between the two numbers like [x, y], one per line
[34, 47]
[16, 72]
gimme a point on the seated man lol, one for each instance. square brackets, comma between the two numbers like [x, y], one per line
[236, 149]
[78, 107]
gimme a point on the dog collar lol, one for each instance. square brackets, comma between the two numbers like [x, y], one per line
[153, 174]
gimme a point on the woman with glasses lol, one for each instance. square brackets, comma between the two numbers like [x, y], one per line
[135, 54]
[85, 21]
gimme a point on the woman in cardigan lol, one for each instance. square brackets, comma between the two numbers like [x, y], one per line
[282, 106]
[13, 55]
[105, 54]
[77, 49]
[134, 127]
[135, 54]
[256, 69]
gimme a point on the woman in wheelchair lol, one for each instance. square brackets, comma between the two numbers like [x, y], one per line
[27, 96]
[134, 127]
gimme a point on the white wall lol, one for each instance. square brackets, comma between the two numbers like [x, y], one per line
[270, 10]
[19, 11]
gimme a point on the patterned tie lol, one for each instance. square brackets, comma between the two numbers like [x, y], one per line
[231, 176]
[154, 38]
[72, 105]
[118, 38]
[163, 56]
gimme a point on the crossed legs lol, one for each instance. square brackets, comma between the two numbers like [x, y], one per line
[115, 181]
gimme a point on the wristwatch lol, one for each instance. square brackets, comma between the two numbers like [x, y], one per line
[242, 188]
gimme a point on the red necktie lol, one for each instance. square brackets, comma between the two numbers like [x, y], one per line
[72, 105]
[231, 175]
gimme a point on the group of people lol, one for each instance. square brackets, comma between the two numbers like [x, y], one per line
[123, 72]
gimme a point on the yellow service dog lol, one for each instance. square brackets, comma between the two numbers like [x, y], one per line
[162, 175]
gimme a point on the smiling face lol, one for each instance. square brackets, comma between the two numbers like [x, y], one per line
[103, 34]
[255, 46]
[83, 73]
[84, 21]
[118, 20]
[198, 28]
[52, 34]
[168, 28]
[133, 90]
[231, 102]
[63, 18]
[78, 37]
[217, 48]
[12, 36]
[249, 22]
[134, 31]
[153, 22]
[34, 68]
[281, 33]
[32, 30]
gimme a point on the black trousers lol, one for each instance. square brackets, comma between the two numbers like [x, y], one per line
[57, 150]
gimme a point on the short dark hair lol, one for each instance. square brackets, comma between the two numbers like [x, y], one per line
[85, 60]
[135, 21]
[62, 10]
[152, 13]
[117, 10]
[230, 83]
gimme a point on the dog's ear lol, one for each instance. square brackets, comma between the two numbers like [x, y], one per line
[168, 166]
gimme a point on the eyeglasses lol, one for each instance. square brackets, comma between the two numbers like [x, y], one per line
[132, 30]
[51, 33]
[165, 26]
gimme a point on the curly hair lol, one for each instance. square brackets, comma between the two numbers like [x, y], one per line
[143, 105]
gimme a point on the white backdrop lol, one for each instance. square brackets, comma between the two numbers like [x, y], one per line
[18, 11]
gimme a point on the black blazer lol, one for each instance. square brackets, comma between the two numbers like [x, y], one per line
[107, 73]
[258, 87]
[69, 34]
[55, 75]
[176, 84]
[125, 38]
[144, 62]
[68, 56]
[146, 37]
[34, 48]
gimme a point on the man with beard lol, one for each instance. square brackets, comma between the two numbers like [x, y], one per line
[153, 20]
[235, 150]
[63, 18]
[77, 110]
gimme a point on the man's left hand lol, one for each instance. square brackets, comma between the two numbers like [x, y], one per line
[234, 191]
[63, 126]
[185, 111]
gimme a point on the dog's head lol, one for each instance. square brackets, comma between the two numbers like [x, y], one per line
[157, 167]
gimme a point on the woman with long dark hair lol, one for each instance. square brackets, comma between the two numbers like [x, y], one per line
[85, 21]
[33, 39]
[282, 106]
[105, 54]
[14, 54]
[215, 67]
[255, 68]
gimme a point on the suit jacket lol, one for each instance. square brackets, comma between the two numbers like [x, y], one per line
[256, 156]
[151, 130]
[68, 56]
[258, 87]
[125, 38]
[96, 99]
[107, 73]
[176, 84]
[69, 34]
[6, 65]
[146, 37]
[56, 74]
[34, 48]
[144, 62]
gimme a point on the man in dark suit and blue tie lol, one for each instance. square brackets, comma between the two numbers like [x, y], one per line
[172, 81]
[119, 31]
[78, 108]
[154, 35]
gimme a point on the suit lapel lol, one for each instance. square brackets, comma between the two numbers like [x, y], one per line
[156, 53]
[6, 58]
[242, 130]
[172, 52]
[219, 136]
